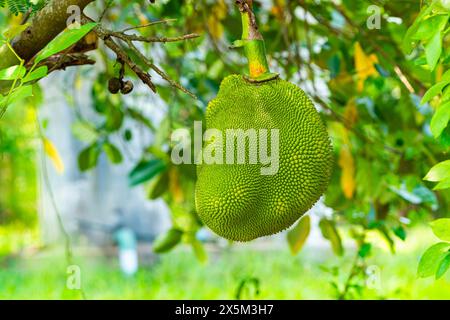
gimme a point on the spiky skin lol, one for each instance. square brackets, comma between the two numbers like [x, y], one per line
[235, 200]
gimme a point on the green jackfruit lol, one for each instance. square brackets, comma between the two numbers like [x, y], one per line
[235, 200]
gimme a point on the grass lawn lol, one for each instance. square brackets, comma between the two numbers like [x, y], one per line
[178, 275]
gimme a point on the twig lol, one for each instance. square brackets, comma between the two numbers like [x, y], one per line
[165, 21]
[107, 35]
[160, 72]
[135, 37]
[123, 56]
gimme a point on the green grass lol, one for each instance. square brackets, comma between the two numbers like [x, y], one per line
[178, 275]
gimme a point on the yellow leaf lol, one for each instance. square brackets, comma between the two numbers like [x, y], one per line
[220, 10]
[351, 113]
[53, 154]
[365, 65]
[347, 164]
[215, 28]
[278, 9]
[218, 13]
[174, 185]
[15, 30]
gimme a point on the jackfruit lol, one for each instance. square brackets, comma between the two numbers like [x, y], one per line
[237, 201]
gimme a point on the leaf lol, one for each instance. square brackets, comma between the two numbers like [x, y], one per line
[39, 73]
[297, 236]
[443, 267]
[440, 119]
[199, 251]
[329, 231]
[439, 172]
[167, 241]
[88, 158]
[15, 30]
[112, 152]
[432, 258]
[12, 73]
[433, 50]
[114, 119]
[386, 236]
[347, 164]
[145, 171]
[429, 26]
[365, 66]
[17, 95]
[400, 232]
[66, 39]
[136, 115]
[84, 132]
[441, 228]
[415, 27]
[444, 184]
[434, 91]
[160, 186]
[365, 249]
[51, 151]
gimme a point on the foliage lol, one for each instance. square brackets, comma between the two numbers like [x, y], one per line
[436, 259]
[22, 6]
[368, 84]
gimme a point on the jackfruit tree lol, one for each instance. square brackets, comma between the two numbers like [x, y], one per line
[368, 76]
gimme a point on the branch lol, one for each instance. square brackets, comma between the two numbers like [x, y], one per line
[106, 36]
[44, 27]
[123, 56]
[135, 37]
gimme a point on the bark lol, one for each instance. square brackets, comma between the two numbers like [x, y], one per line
[45, 26]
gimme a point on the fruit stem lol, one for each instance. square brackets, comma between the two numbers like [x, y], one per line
[252, 41]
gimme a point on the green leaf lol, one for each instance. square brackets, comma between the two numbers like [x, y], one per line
[39, 73]
[429, 26]
[434, 91]
[439, 172]
[88, 158]
[431, 259]
[433, 50]
[400, 232]
[365, 249]
[386, 236]
[160, 186]
[199, 251]
[114, 119]
[112, 152]
[66, 39]
[145, 171]
[444, 184]
[443, 267]
[17, 95]
[407, 39]
[136, 115]
[441, 228]
[167, 241]
[84, 132]
[297, 236]
[12, 73]
[440, 119]
[329, 231]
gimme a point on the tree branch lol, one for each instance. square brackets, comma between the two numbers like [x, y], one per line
[44, 27]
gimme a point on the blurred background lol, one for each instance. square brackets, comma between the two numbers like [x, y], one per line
[87, 186]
